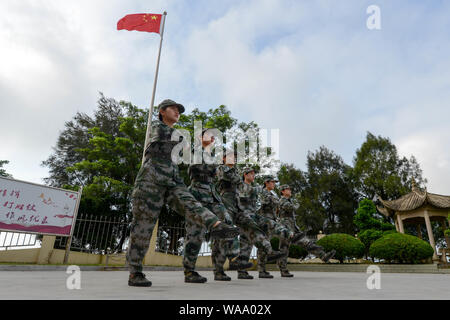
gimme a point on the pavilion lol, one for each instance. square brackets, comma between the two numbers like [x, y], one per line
[415, 208]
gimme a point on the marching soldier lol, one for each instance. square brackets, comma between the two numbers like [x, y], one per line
[227, 185]
[287, 210]
[158, 183]
[267, 216]
[202, 187]
[248, 197]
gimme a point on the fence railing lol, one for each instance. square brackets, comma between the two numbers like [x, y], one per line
[171, 240]
[96, 234]
[17, 239]
[106, 234]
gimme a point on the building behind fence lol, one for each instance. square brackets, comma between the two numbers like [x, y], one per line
[10, 240]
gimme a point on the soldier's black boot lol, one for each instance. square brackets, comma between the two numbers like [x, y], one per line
[221, 276]
[238, 263]
[244, 275]
[233, 265]
[137, 279]
[265, 275]
[297, 237]
[274, 255]
[286, 274]
[193, 277]
[224, 231]
[326, 256]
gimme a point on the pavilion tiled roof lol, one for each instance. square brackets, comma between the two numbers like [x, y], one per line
[414, 200]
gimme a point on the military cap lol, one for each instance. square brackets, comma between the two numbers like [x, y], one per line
[248, 170]
[270, 178]
[168, 103]
[284, 186]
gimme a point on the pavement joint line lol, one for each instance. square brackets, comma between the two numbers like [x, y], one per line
[430, 269]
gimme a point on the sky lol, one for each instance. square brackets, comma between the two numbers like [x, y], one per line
[312, 69]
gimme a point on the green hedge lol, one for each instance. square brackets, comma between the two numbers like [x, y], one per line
[345, 245]
[402, 248]
[369, 236]
[295, 251]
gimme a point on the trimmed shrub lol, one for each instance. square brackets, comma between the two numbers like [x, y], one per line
[402, 248]
[345, 245]
[369, 236]
[295, 251]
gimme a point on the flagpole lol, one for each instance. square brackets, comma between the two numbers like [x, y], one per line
[149, 121]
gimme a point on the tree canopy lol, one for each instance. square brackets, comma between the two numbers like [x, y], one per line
[379, 170]
[3, 172]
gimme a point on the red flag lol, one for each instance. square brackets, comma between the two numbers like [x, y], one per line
[149, 22]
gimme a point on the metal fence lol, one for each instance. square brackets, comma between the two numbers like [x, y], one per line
[17, 239]
[171, 240]
[97, 234]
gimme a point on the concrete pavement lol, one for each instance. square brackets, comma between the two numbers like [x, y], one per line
[169, 285]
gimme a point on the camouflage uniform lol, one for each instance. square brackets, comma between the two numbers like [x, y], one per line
[287, 210]
[248, 197]
[158, 183]
[267, 220]
[203, 189]
[228, 183]
[287, 218]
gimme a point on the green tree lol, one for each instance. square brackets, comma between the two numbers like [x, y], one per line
[328, 201]
[371, 226]
[102, 154]
[379, 170]
[295, 178]
[3, 172]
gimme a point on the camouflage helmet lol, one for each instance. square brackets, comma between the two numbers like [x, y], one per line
[168, 103]
[247, 170]
[270, 178]
[284, 186]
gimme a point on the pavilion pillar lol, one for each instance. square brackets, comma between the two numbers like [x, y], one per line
[400, 224]
[430, 234]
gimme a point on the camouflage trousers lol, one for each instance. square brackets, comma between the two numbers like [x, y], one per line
[221, 249]
[284, 244]
[272, 229]
[309, 245]
[250, 232]
[147, 200]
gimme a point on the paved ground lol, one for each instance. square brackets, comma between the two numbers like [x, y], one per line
[168, 285]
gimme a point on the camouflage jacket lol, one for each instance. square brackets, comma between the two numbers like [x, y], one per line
[202, 178]
[162, 170]
[287, 213]
[248, 197]
[228, 182]
[269, 204]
